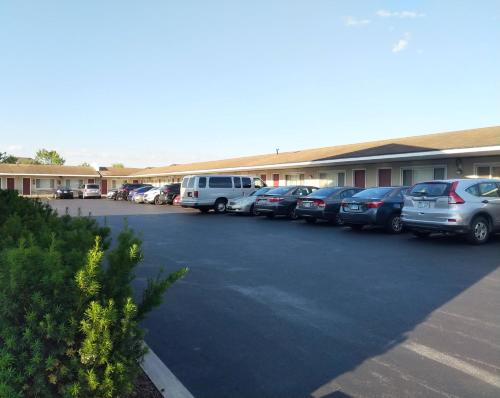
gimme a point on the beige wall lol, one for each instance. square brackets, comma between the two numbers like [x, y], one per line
[58, 180]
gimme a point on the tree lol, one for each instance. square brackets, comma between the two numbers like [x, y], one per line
[118, 165]
[85, 164]
[44, 156]
[4, 158]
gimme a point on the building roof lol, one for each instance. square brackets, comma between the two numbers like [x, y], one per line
[422, 144]
[117, 171]
[47, 170]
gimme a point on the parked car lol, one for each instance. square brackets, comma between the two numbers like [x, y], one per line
[169, 192]
[470, 207]
[111, 194]
[246, 204]
[324, 204]
[64, 193]
[125, 189]
[281, 201]
[153, 195]
[177, 200]
[138, 194]
[89, 191]
[205, 192]
[375, 206]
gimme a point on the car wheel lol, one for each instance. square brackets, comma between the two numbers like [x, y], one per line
[293, 214]
[252, 211]
[394, 224]
[220, 206]
[157, 200]
[311, 220]
[479, 231]
[421, 234]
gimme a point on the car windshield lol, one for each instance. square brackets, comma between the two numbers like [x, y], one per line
[373, 193]
[280, 191]
[325, 192]
[430, 189]
[92, 186]
[261, 191]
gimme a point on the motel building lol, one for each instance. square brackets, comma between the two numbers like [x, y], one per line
[403, 161]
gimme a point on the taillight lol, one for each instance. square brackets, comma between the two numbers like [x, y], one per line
[275, 200]
[453, 197]
[374, 205]
[319, 202]
[343, 203]
[195, 194]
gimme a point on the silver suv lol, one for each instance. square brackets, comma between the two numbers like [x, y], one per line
[470, 207]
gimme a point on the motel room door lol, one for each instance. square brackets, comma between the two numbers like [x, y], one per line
[359, 178]
[10, 184]
[384, 177]
[276, 180]
[104, 187]
[26, 186]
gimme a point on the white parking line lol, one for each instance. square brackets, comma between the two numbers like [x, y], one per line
[454, 363]
[469, 319]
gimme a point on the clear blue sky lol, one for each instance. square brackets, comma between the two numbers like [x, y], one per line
[156, 82]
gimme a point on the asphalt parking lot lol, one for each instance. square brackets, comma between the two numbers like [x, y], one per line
[273, 308]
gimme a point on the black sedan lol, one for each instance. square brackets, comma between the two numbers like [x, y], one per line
[324, 204]
[375, 206]
[64, 193]
[281, 201]
[169, 192]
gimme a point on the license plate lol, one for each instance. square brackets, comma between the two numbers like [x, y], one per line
[306, 204]
[354, 207]
[423, 205]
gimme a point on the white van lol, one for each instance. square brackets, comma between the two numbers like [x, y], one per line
[205, 192]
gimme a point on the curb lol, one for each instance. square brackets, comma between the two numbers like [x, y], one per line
[161, 376]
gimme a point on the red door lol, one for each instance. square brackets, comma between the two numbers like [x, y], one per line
[90, 181]
[26, 186]
[263, 177]
[104, 187]
[384, 177]
[10, 183]
[276, 180]
[359, 178]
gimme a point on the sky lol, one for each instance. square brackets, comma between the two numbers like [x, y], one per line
[150, 83]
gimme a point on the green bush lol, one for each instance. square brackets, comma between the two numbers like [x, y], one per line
[69, 326]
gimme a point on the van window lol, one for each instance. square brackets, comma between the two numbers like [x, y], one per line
[191, 182]
[185, 182]
[220, 182]
[202, 182]
[247, 182]
[237, 182]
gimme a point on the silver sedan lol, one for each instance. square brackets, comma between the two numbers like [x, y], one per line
[245, 204]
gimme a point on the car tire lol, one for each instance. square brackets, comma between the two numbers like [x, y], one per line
[253, 212]
[157, 200]
[338, 220]
[311, 220]
[421, 234]
[479, 231]
[220, 206]
[394, 224]
[293, 215]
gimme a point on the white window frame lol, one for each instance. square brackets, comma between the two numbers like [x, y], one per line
[413, 168]
[385, 168]
[489, 164]
[52, 184]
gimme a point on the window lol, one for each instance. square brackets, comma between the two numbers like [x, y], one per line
[301, 179]
[191, 181]
[431, 189]
[373, 193]
[43, 183]
[67, 183]
[237, 182]
[263, 177]
[113, 184]
[220, 182]
[247, 182]
[202, 182]
[488, 171]
[439, 173]
[473, 190]
[185, 182]
[407, 177]
[301, 192]
[341, 179]
[488, 189]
